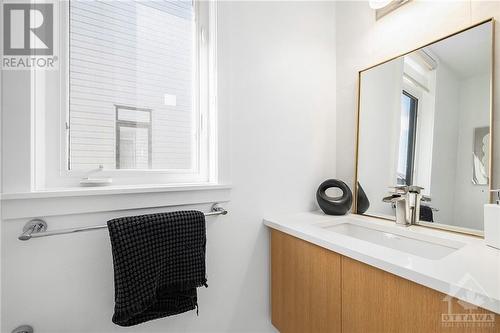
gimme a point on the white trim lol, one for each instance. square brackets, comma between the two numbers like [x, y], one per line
[214, 136]
[82, 201]
[108, 190]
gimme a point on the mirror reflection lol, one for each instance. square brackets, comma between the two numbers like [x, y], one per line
[424, 122]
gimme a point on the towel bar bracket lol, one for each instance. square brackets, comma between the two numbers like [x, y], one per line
[32, 227]
[23, 329]
[218, 210]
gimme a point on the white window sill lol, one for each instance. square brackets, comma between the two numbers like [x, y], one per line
[110, 190]
[67, 201]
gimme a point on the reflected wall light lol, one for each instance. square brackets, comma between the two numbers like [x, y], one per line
[377, 4]
[384, 7]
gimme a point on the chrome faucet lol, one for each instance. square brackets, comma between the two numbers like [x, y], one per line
[406, 200]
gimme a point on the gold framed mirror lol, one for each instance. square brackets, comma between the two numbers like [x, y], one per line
[425, 119]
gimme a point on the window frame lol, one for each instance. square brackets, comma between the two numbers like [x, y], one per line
[205, 166]
[412, 137]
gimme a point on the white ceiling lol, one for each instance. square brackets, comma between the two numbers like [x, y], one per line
[467, 53]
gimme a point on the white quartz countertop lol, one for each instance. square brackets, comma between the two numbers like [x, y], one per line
[471, 273]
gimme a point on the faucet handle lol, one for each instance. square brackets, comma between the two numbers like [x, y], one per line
[393, 197]
[399, 189]
[407, 188]
[415, 189]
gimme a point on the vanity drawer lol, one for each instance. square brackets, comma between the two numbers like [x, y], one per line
[305, 286]
[376, 301]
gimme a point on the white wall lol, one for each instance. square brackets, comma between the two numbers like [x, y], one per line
[362, 41]
[444, 161]
[379, 127]
[277, 82]
[425, 131]
[474, 106]
[462, 104]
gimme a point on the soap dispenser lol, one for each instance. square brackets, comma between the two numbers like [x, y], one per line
[492, 222]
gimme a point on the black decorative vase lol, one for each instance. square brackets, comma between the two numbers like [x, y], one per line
[363, 203]
[334, 205]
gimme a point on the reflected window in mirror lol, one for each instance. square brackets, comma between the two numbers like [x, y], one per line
[408, 129]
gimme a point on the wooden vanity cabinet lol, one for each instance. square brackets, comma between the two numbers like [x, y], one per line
[305, 286]
[316, 290]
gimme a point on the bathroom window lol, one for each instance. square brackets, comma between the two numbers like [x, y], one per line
[140, 82]
[407, 137]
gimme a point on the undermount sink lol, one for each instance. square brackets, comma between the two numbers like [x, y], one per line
[402, 240]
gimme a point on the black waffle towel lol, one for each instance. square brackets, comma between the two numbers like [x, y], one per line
[426, 214]
[159, 261]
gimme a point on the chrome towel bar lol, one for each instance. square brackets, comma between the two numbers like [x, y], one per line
[38, 228]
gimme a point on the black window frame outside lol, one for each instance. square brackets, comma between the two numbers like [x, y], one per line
[133, 124]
